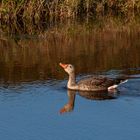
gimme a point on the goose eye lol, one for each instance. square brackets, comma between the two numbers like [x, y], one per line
[70, 66]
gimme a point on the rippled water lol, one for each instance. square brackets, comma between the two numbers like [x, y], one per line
[33, 87]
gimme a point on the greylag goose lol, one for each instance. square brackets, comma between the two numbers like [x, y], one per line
[95, 83]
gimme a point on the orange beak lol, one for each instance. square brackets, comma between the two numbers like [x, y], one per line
[63, 110]
[63, 65]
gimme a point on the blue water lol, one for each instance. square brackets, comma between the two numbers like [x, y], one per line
[33, 93]
[30, 111]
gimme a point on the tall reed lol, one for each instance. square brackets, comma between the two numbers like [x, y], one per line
[41, 10]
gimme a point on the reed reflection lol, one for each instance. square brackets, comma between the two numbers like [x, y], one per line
[69, 106]
[25, 58]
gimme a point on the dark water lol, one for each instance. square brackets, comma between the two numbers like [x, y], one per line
[33, 90]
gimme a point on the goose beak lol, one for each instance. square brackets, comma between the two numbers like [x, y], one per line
[63, 65]
[63, 110]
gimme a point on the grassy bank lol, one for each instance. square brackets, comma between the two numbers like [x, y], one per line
[42, 10]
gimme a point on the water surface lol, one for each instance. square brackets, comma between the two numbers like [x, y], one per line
[33, 86]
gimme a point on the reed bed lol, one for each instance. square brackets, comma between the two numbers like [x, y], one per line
[69, 27]
[35, 11]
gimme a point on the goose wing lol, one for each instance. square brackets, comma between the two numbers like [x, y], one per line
[97, 81]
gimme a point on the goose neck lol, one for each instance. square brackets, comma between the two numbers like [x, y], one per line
[72, 80]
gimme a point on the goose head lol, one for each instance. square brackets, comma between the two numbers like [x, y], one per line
[67, 67]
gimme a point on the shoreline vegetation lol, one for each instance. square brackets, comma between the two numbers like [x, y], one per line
[63, 17]
[68, 28]
[36, 11]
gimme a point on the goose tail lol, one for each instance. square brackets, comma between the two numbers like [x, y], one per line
[121, 80]
[118, 81]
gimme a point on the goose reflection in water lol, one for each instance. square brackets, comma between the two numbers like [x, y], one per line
[69, 106]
